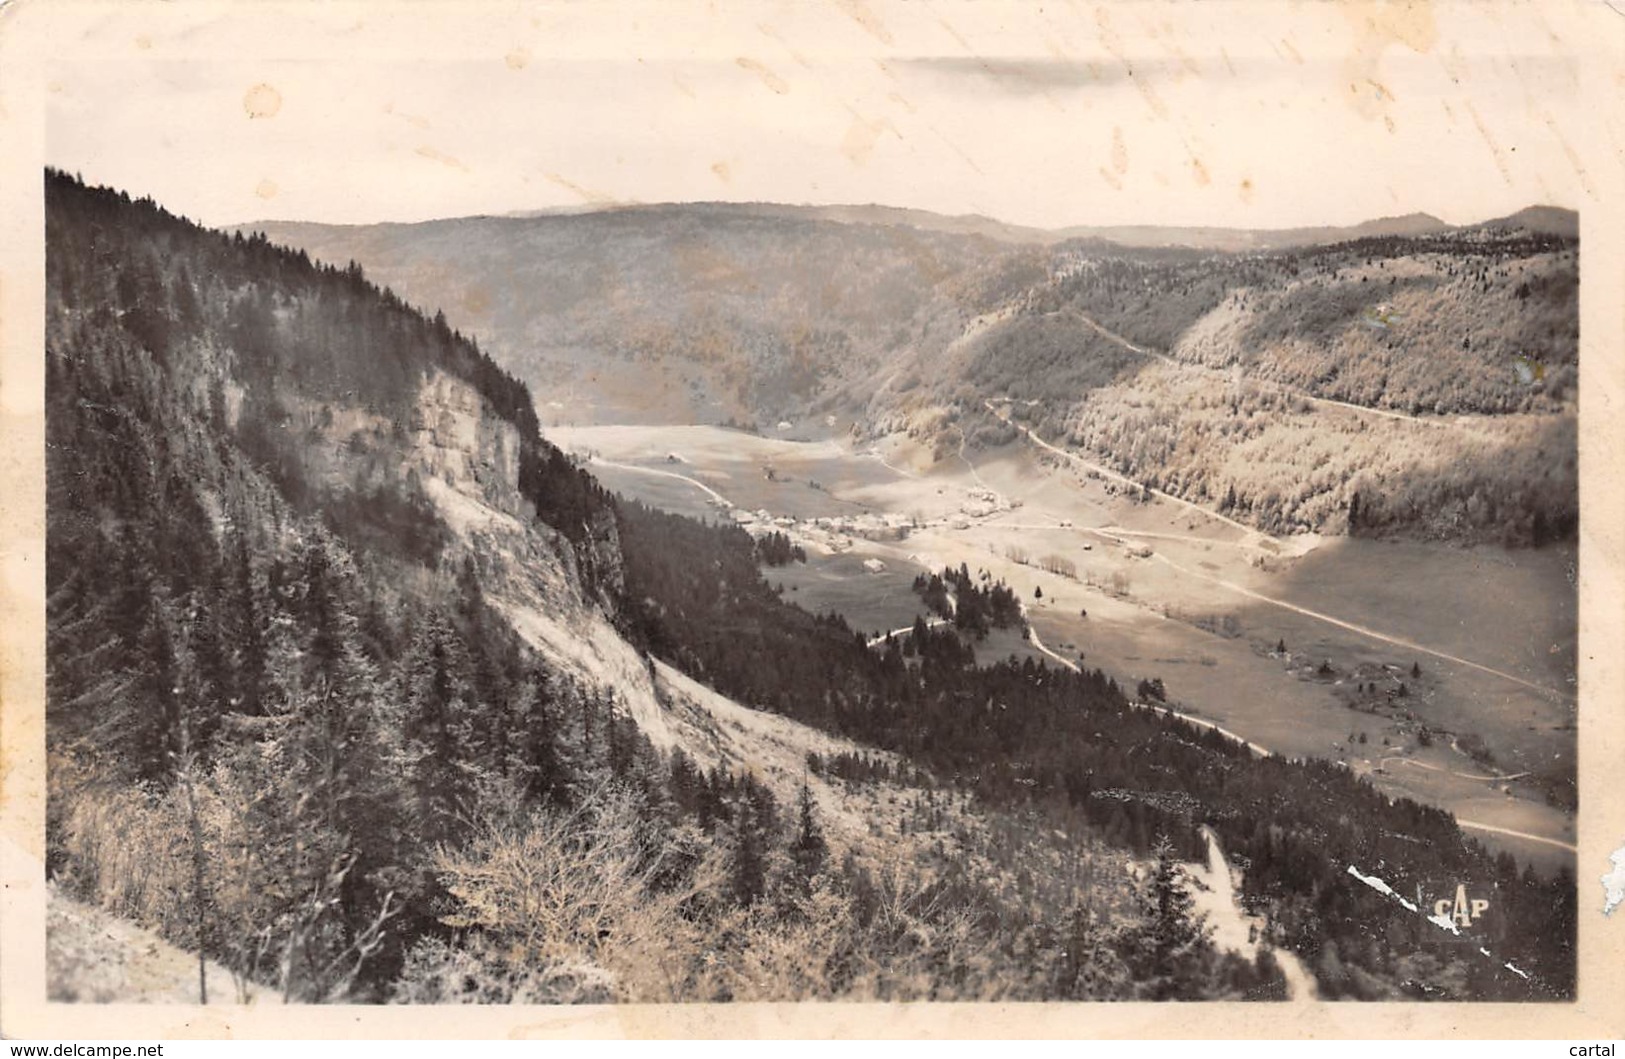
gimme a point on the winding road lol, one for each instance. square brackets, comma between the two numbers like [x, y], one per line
[695, 482]
[1281, 388]
[1107, 472]
[1474, 825]
[1366, 631]
[1237, 930]
[1450, 772]
[904, 631]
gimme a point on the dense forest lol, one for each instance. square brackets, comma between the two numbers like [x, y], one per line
[289, 728]
[1431, 323]
[970, 607]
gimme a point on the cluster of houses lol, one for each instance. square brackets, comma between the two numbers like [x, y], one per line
[834, 534]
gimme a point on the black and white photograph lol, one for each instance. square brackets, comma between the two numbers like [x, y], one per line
[568, 504]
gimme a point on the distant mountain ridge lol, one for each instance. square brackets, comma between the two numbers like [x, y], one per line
[1542, 219]
[1547, 220]
[874, 320]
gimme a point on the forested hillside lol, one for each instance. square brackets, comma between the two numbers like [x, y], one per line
[301, 719]
[292, 727]
[1072, 751]
[690, 313]
[1420, 387]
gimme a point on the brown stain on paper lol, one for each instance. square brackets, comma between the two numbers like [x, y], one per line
[587, 195]
[1495, 148]
[262, 101]
[1570, 153]
[862, 135]
[859, 12]
[1377, 26]
[1112, 41]
[772, 34]
[435, 155]
[411, 119]
[769, 78]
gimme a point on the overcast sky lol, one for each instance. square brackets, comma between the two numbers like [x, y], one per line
[1258, 115]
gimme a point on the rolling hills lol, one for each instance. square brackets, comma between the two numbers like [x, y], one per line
[1444, 359]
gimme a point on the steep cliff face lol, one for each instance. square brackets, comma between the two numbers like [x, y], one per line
[556, 595]
[559, 595]
[280, 392]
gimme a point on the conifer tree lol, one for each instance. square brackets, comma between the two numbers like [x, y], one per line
[1168, 951]
[810, 849]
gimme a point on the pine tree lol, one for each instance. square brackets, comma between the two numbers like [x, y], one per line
[751, 839]
[810, 849]
[1169, 950]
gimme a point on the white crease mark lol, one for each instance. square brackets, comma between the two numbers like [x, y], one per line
[1445, 922]
[1613, 883]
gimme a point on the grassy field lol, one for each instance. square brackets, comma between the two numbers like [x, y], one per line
[802, 479]
[1004, 644]
[668, 494]
[871, 603]
[1514, 610]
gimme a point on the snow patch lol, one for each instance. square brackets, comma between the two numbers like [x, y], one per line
[1440, 921]
[1382, 888]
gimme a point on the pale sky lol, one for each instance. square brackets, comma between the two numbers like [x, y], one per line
[1231, 114]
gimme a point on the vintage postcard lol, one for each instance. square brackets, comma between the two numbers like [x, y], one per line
[812, 519]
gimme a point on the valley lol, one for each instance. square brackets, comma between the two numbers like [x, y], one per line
[1171, 592]
[928, 676]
